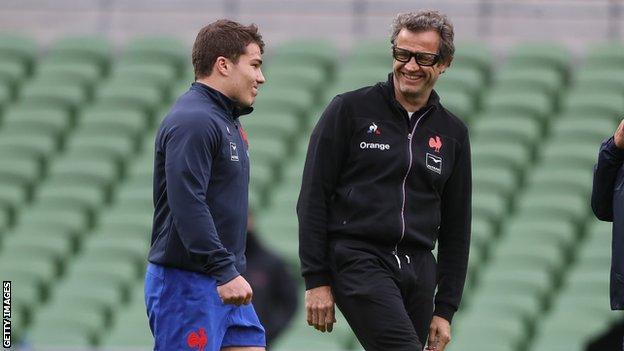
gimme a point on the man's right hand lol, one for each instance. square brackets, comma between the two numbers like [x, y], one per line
[235, 292]
[319, 303]
[618, 137]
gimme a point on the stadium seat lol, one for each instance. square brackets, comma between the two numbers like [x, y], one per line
[608, 55]
[142, 74]
[553, 205]
[594, 103]
[68, 98]
[156, 50]
[18, 48]
[54, 121]
[49, 214]
[474, 55]
[95, 50]
[583, 130]
[460, 104]
[12, 75]
[512, 129]
[146, 99]
[272, 125]
[539, 105]
[467, 80]
[23, 172]
[548, 180]
[597, 79]
[545, 54]
[84, 74]
[310, 78]
[567, 154]
[530, 79]
[500, 154]
[30, 144]
[307, 52]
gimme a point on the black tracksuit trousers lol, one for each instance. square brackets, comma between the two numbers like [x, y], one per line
[388, 307]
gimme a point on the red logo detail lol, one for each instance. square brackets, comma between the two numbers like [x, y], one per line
[197, 340]
[435, 143]
[244, 136]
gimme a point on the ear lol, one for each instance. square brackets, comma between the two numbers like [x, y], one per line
[443, 66]
[222, 65]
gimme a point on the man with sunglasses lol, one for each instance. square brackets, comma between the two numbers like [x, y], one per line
[388, 175]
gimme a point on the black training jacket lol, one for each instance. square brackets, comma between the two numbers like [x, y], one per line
[374, 174]
[607, 202]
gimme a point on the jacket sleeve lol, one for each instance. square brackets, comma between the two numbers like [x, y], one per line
[189, 150]
[610, 161]
[454, 237]
[326, 154]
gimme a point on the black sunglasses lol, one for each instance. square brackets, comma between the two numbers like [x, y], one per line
[422, 58]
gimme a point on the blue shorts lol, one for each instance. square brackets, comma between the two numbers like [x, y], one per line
[186, 313]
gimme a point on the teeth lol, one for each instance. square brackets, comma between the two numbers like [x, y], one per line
[410, 76]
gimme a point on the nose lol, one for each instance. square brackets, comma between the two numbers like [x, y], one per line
[260, 79]
[412, 65]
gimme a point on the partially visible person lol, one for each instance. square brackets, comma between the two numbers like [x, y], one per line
[607, 202]
[275, 289]
[195, 295]
[610, 339]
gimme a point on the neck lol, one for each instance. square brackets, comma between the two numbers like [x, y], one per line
[411, 103]
[215, 84]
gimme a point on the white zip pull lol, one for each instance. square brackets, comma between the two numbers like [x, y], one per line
[408, 259]
[397, 258]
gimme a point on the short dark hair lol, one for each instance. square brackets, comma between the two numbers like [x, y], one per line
[426, 20]
[222, 38]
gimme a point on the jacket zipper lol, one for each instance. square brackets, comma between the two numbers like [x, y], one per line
[410, 136]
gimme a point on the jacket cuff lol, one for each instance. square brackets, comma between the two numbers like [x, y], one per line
[445, 311]
[225, 274]
[616, 152]
[314, 280]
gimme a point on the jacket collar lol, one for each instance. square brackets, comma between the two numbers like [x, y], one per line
[388, 90]
[230, 106]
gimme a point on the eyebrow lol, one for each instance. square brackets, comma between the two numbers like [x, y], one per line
[420, 52]
[257, 60]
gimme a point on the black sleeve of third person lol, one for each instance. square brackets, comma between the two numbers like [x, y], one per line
[454, 238]
[610, 160]
[327, 151]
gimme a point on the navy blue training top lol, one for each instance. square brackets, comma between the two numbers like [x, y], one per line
[201, 177]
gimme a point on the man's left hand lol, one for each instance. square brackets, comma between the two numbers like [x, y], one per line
[439, 334]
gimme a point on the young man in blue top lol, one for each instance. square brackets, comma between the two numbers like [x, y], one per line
[195, 295]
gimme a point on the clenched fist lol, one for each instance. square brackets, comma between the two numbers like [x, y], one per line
[235, 292]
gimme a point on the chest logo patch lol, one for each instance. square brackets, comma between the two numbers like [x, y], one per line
[374, 129]
[434, 163]
[435, 143]
[233, 152]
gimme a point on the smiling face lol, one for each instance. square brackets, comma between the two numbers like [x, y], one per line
[246, 76]
[413, 83]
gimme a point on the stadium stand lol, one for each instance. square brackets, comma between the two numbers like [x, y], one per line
[77, 125]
